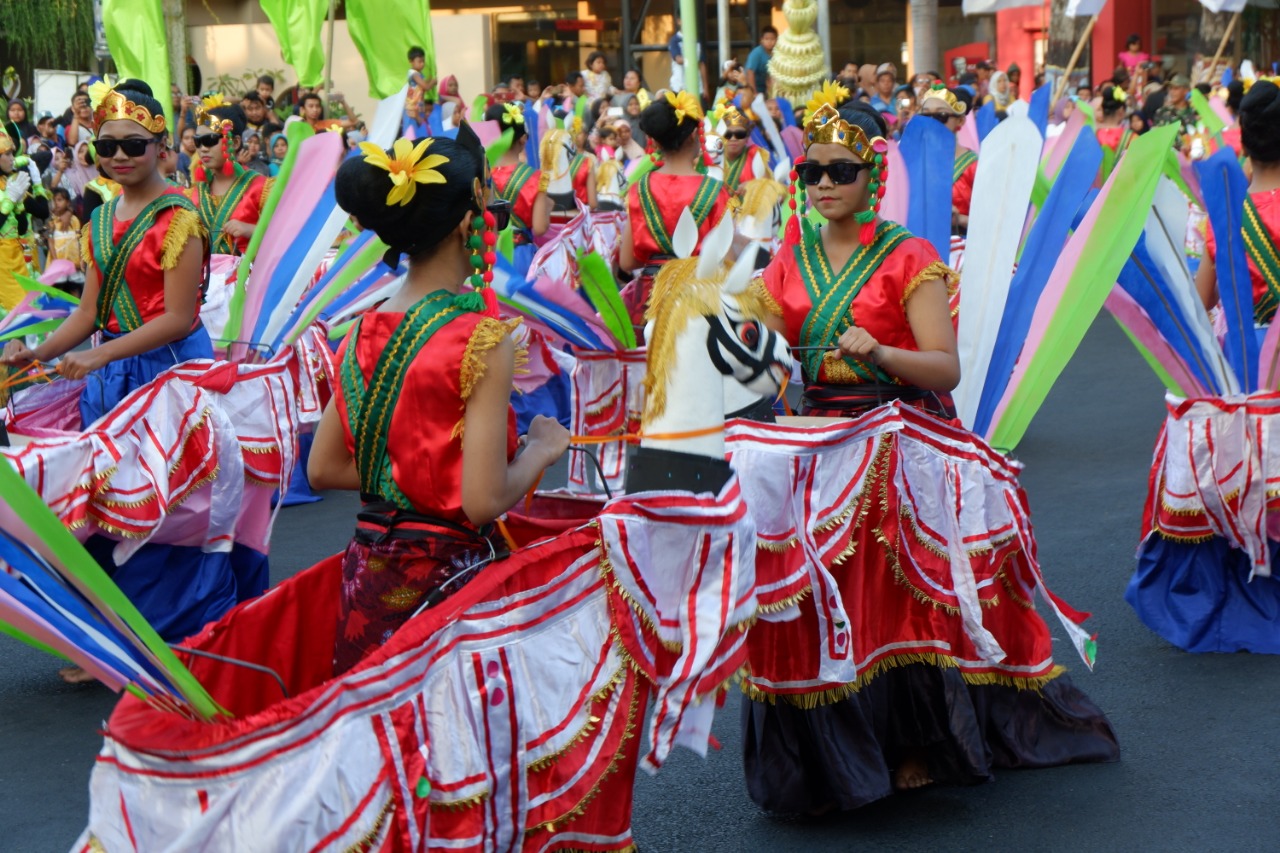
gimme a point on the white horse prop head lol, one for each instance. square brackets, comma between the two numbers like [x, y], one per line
[555, 155]
[703, 324]
[611, 185]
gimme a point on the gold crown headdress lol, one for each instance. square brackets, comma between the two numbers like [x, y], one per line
[939, 92]
[206, 117]
[734, 117]
[6, 143]
[823, 124]
[110, 105]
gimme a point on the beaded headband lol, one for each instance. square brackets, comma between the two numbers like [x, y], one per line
[110, 105]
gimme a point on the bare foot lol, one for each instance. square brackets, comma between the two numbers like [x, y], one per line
[74, 675]
[912, 773]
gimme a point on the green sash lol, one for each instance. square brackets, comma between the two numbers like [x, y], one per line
[114, 296]
[704, 201]
[215, 214]
[512, 190]
[733, 170]
[369, 409]
[832, 296]
[1261, 248]
[963, 160]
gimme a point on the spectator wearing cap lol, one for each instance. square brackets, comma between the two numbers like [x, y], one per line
[758, 61]
[256, 116]
[886, 82]
[1176, 109]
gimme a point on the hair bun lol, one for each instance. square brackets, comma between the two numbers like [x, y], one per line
[135, 85]
[1260, 122]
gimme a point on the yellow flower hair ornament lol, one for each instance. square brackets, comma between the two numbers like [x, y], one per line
[408, 167]
[100, 90]
[512, 114]
[1118, 94]
[685, 104]
[832, 94]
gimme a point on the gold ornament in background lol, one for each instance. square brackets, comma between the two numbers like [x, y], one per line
[798, 65]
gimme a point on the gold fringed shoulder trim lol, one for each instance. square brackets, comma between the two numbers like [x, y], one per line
[86, 245]
[266, 194]
[759, 291]
[487, 334]
[936, 269]
[184, 225]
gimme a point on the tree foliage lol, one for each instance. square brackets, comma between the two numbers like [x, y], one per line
[47, 34]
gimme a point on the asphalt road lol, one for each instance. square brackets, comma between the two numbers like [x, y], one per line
[1199, 737]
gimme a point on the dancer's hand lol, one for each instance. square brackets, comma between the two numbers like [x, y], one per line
[857, 342]
[16, 352]
[547, 438]
[77, 365]
[236, 228]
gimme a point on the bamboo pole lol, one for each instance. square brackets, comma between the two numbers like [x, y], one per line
[1222, 45]
[689, 36]
[328, 59]
[1071, 64]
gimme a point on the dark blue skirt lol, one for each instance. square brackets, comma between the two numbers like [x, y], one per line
[1198, 596]
[105, 387]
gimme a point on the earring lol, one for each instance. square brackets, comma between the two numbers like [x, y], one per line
[876, 189]
[795, 190]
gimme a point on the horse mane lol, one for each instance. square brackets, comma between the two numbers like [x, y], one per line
[551, 140]
[760, 196]
[678, 297]
[607, 174]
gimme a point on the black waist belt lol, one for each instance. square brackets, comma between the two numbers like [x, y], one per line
[869, 395]
[656, 262]
[380, 520]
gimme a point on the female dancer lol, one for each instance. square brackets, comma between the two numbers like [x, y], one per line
[144, 253]
[742, 160]
[942, 105]
[1113, 129]
[420, 422]
[1202, 594]
[519, 184]
[1260, 138]
[878, 297]
[229, 197]
[654, 202]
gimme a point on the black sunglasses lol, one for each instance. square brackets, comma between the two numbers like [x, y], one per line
[940, 116]
[736, 134]
[841, 171]
[501, 210]
[133, 146]
[208, 140]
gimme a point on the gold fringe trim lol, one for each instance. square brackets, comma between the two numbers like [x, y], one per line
[1178, 537]
[895, 565]
[184, 225]
[1003, 576]
[819, 698]
[777, 547]
[628, 733]
[610, 577]
[934, 270]
[86, 258]
[459, 805]
[789, 601]
[366, 842]
[487, 334]
[267, 186]
[592, 724]
[760, 292]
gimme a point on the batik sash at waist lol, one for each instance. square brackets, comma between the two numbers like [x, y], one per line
[864, 396]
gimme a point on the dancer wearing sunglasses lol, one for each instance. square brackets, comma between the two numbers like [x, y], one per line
[18, 204]
[420, 422]
[228, 196]
[867, 304]
[145, 253]
[940, 104]
[742, 161]
[655, 202]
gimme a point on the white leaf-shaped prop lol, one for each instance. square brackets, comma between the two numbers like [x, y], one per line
[685, 238]
[715, 248]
